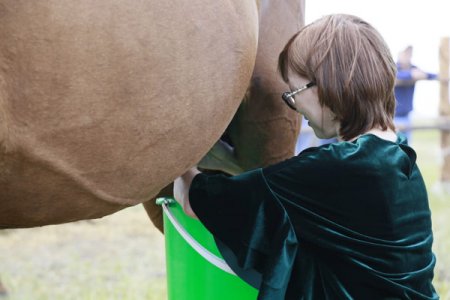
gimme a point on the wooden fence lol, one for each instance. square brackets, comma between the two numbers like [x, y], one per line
[444, 108]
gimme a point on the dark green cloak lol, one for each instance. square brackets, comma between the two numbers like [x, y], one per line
[349, 220]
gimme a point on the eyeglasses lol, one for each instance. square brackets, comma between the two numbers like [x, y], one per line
[288, 97]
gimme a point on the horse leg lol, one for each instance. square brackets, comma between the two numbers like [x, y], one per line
[154, 211]
[264, 130]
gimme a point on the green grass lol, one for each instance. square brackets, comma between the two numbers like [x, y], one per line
[122, 256]
[429, 159]
[117, 257]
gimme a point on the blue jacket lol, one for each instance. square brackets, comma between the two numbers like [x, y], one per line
[404, 94]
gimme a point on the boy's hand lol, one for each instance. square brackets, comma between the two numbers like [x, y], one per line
[181, 187]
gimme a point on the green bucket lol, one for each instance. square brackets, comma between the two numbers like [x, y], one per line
[195, 267]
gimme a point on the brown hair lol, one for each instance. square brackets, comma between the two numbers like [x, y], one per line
[352, 68]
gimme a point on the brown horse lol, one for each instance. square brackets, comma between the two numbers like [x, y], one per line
[103, 103]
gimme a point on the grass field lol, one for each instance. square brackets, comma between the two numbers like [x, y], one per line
[117, 257]
[429, 159]
[122, 256]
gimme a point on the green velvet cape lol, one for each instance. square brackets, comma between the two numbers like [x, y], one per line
[349, 220]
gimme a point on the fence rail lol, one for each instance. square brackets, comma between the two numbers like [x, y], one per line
[441, 124]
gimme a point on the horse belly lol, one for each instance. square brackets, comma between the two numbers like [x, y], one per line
[103, 103]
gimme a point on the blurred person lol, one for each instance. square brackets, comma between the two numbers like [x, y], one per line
[407, 76]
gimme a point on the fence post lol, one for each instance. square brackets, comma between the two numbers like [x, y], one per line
[444, 109]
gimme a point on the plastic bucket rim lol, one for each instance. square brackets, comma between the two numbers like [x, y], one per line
[202, 251]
